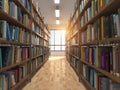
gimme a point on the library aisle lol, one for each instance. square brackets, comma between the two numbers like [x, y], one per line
[56, 74]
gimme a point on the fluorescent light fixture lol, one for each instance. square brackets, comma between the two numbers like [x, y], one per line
[57, 13]
[57, 21]
[56, 1]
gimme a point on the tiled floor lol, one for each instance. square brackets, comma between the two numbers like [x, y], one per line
[56, 74]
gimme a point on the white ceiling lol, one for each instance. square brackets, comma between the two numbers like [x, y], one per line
[47, 8]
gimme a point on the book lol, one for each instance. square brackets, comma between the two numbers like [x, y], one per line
[6, 6]
[0, 58]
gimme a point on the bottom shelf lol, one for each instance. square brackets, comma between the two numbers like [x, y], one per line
[85, 82]
[27, 77]
[76, 71]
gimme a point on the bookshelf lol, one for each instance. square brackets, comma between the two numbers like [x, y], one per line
[97, 25]
[24, 42]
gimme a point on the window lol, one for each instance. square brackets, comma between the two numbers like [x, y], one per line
[57, 40]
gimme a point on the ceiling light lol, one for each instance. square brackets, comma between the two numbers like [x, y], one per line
[57, 21]
[56, 1]
[57, 13]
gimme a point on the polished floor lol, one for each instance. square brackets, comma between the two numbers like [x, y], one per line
[56, 74]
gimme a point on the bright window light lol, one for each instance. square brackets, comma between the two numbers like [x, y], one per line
[57, 21]
[56, 1]
[57, 13]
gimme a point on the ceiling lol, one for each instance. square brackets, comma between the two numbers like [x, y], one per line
[47, 8]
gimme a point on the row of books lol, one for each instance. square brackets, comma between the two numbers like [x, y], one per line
[36, 62]
[105, 27]
[37, 40]
[99, 81]
[26, 4]
[95, 7]
[10, 32]
[74, 51]
[46, 56]
[37, 51]
[15, 11]
[74, 62]
[104, 57]
[46, 43]
[75, 40]
[12, 54]
[45, 49]
[10, 78]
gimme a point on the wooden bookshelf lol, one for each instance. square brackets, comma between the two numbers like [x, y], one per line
[105, 10]
[29, 46]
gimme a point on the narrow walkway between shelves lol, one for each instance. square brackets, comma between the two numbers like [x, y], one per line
[56, 74]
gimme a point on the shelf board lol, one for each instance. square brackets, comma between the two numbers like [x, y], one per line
[13, 43]
[113, 77]
[37, 56]
[5, 16]
[86, 83]
[110, 8]
[13, 65]
[74, 56]
[73, 36]
[106, 40]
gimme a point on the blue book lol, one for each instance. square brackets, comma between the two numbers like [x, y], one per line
[8, 33]
[1, 4]
[6, 56]
[7, 79]
[12, 8]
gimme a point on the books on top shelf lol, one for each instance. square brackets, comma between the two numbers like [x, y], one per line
[104, 27]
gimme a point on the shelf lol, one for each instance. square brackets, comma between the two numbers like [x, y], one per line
[74, 56]
[107, 40]
[13, 65]
[73, 35]
[37, 56]
[74, 69]
[5, 16]
[113, 77]
[110, 8]
[86, 83]
[4, 42]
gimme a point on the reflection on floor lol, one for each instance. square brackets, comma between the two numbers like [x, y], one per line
[56, 74]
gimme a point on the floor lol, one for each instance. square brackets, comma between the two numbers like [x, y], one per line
[56, 74]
